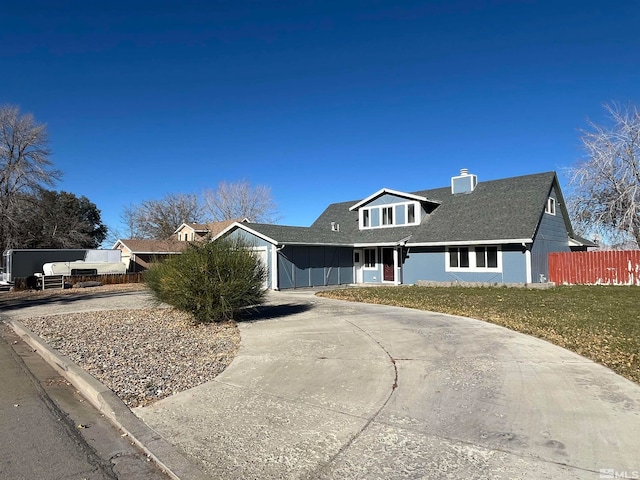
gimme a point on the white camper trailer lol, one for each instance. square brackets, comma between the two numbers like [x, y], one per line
[80, 267]
[24, 263]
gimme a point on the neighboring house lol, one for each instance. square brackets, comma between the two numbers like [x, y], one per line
[498, 231]
[193, 232]
[138, 254]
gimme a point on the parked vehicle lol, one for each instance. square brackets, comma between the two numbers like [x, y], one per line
[24, 263]
[80, 267]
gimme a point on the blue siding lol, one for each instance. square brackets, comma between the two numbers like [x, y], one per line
[316, 256]
[249, 238]
[429, 263]
[514, 264]
[551, 236]
[387, 199]
[425, 263]
[285, 272]
[303, 266]
[372, 276]
[400, 215]
[375, 217]
[345, 272]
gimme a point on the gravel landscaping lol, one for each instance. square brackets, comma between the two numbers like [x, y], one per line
[143, 355]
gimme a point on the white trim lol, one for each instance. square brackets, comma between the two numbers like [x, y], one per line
[180, 228]
[375, 258]
[263, 249]
[472, 261]
[383, 191]
[382, 280]
[577, 243]
[527, 262]
[470, 242]
[396, 267]
[550, 206]
[243, 226]
[156, 253]
[274, 268]
[417, 215]
[358, 274]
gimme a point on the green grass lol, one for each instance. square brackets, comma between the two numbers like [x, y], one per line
[599, 322]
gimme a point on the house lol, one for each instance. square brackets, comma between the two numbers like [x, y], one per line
[193, 232]
[497, 231]
[138, 254]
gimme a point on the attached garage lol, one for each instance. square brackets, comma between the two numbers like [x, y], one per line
[311, 266]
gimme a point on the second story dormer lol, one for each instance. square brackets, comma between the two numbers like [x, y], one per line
[390, 208]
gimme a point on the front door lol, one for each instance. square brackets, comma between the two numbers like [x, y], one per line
[357, 265]
[388, 266]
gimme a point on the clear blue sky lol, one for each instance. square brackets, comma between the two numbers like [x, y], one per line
[323, 101]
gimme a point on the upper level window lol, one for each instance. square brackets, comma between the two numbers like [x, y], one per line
[551, 206]
[474, 259]
[411, 213]
[387, 215]
[395, 215]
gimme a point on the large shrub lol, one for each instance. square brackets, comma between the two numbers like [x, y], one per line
[211, 280]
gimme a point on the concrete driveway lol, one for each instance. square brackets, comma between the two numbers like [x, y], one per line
[330, 389]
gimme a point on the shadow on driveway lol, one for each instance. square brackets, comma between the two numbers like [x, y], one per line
[269, 312]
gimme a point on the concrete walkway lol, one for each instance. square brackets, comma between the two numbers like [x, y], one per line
[330, 389]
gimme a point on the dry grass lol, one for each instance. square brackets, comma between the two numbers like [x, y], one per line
[598, 322]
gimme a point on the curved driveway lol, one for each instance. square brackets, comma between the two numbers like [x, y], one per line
[330, 389]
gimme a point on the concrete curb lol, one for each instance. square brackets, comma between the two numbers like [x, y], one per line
[163, 453]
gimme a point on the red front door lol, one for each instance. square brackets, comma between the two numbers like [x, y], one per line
[388, 268]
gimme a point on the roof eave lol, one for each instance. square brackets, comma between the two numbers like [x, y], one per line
[243, 226]
[382, 191]
[501, 241]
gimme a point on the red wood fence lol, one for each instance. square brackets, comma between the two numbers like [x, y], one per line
[606, 267]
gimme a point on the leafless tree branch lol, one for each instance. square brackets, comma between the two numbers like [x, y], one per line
[241, 200]
[606, 184]
[159, 219]
[25, 167]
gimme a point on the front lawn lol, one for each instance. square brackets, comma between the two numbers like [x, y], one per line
[599, 322]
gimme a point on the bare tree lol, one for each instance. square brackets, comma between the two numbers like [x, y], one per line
[241, 200]
[159, 219]
[606, 185]
[24, 167]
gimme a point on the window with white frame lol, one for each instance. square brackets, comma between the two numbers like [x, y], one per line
[411, 213]
[387, 215]
[551, 206]
[392, 215]
[370, 258]
[481, 258]
[459, 257]
[486, 257]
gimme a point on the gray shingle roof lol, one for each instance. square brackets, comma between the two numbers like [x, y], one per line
[505, 209]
